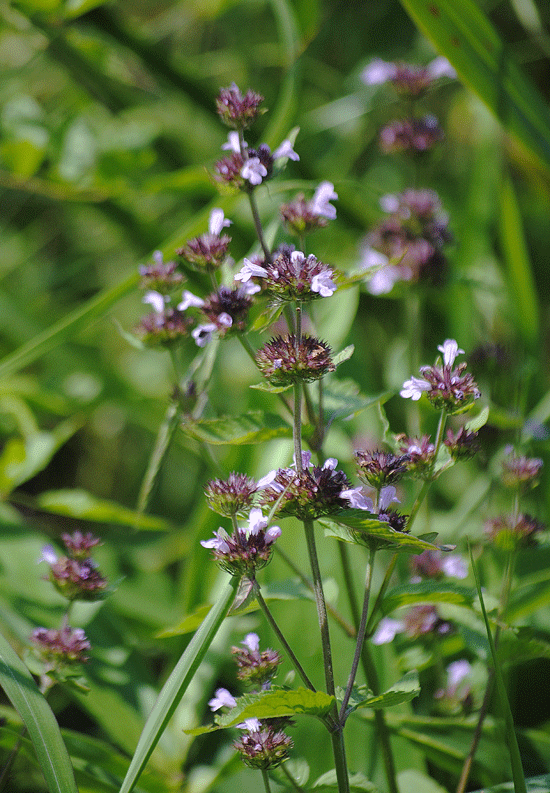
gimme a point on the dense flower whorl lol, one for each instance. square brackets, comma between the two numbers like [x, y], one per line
[462, 445]
[163, 327]
[283, 361]
[264, 747]
[232, 496]
[520, 472]
[235, 110]
[254, 666]
[292, 276]
[228, 303]
[161, 276]
[415, 135]
[66, 645]
[246, 550]
[510, 532]
[379, 469]
[420, 453]
[76, 577]
[301, 216]
[309, 494]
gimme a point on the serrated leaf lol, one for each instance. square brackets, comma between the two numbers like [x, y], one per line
[271, 389]
[359, 527]
[277, 703]
[428, 592]
[403, 691]
[82, 505]
[253, 427]
[343, 398]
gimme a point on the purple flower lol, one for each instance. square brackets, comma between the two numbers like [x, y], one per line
[450, 350]
[254, 171]
[233, 142]
[189, 300]
[378, 72]
[222, 699]
[357, 499]
[414, 388]
[285, 150]
[250, 270]
[156, 300]
[319, 204]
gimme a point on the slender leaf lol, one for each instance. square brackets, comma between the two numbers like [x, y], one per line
[177, 684]
[82, 505]
[463, 33]
[403, 691]
[39, 720]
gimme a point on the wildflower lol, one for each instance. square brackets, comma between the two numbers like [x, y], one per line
[421, 454]
[203, 333]
[447, 388]
[357, 499]
[208, 250]
[161, 276]
[234, 142]
[285, 150]
[521, 471]
[74, 578]
[255, 666]
[189, 300]
[246, 550]
[64, 646]
[435, 564]
[418, 621]
[284, 361]
[457, 694]
[164, 327]
[156, 300]
[264, 747]
[236, 110]
[311, 493]
[227, 304]
[292, 276]
[379, 468]
[222, 699]
[408, 80]
[79, 545]
[415, 135]
[463, 445]
[232, 496]
[254, 171]
[511, 532]
[301, 216]
[228, 170]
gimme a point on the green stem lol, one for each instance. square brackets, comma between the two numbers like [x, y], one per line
[269, 617]
[360, 636]
[297, 427]
[5, 773]
[265, 777]
[381, 593]
[258, 225]
[413, 331]
[162, 442]
[428, 482]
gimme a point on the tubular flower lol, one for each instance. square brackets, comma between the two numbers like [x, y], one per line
[255, 666]
[292, 276]
[246, 550]
[301, 216]
[309, 494]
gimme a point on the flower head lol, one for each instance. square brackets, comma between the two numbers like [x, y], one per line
[436, 564]
[521, 472]
[164, 327]
[255, 666]
[301, 216]
[284, 361]
[264, 747]
[292, 276]
[232, 496]
[161, 276]
[379, 468]
[208, 250]
[414, 135]
[246, 550]
[65, 646]
[236, 110]
[408, 80]
[510, 532]
[420, 453]
[228, 303]
[462, 445]
[76, 576]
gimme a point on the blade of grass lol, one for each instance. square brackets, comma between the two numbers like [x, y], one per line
[39, 720]
[463, 33]
[176, 685]
[515, 757]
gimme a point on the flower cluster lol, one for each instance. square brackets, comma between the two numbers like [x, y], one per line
[436, 565]
[75, 576]
[410, 135]
[291, 276]
[380, 469]
[232, 496]
[236, 110]
[521, 472]
[255, 666]
[285, 360]
[246, 550]
[447, 388]
[301, 216]
[66, 646]
[307, 494]
[408, 245]
[409, 80]
[419, 621]
[510, 532]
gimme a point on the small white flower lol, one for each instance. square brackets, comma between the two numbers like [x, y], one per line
[233, 142]
[450, 350]
[372, 258]
[272, 534]
[253, 171]
[250, 288]
[222, 698]
[330, 463]
[357, 500]
[285, 150]
[319, 204]
[414, 388]
[250, 269]
[384, 280]
[156, 300]
[389, 203]
[256, 521]
[188, 300]
[158, 257]
[217, 221]
[252, 642]
[456, 672]
[48, 555]
[251, 725]
[440, 67]
[218, 542]
[225, 319]
[387, 630]
[267, 481]
[203, 334]
[378, 72]
[323, 284]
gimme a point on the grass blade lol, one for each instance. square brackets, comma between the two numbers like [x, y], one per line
[177, 683]
[39, 720]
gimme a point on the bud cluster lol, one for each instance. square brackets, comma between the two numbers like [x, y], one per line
[75, 575]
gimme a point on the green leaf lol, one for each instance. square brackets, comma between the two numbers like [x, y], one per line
[366, 528]
[411, 781]
[358, 783]
[535, 784]
[427, 592]
[176, 685]
[253, 427]
[475, 424]
[464, 34]
[82, 505]
[343, 355]
[404, 690]
[343, 398]
[39, 720]
[520, 275]
[277, 703]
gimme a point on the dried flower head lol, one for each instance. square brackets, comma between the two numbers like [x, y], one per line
[161, 276]
[447, 388]
[510, 532]
[235, 110]
[291, 276]
[64, 646]
[264, 747]
[254, 666]
[379, 469]
[309, 494]
[284, 361]
[232, 496]
[246, 550]
[414, 135]
[462, 445]
[521, 472]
